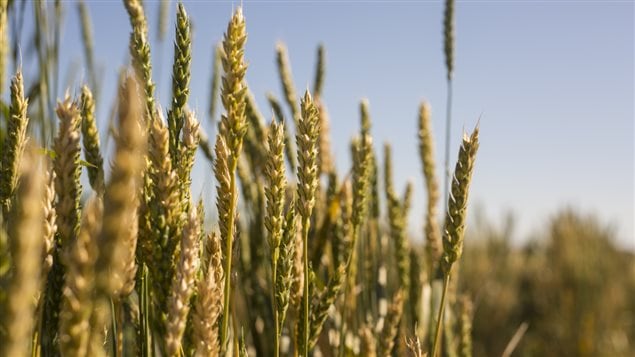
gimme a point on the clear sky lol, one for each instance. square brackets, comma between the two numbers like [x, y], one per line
[551, 80]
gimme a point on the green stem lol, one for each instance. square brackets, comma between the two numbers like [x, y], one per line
[437, 334]
[276, 317]
[143, 314]
[305, 240]
[448, 127]
[352, 260]
[114, 333]
[228, 252]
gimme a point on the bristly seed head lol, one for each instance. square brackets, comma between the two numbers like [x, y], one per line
[457, 202]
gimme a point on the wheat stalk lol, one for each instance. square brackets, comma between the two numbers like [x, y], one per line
[391, 325]
[397, 220]
[448, 49]
[77, 299]
[90, 138]
[217, 69]
[274, 215]
[87, 41]
[232, 130]
[14, 143]
[325, 160]
[189, 144]
[117, 240]
[25, 243]
[289, 145]
[182, 285]
[162, 24]
[465, 327]
[180, 80]
[67, 171]
[165, 215]
[454, 228]
[306, 139]
[320, 71]
[286, 81]
[140, 51]
[50, 225]
[426, 153]
[209, 303]
[4, 41]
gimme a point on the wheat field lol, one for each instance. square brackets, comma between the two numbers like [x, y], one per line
[298, 259]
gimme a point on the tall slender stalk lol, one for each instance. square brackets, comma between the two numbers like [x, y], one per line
[448, 49]
[274, 215]
[306, 138]
[454, 229]
[232, 129]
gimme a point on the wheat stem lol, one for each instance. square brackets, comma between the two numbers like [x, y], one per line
[232, 131]
[437, 330]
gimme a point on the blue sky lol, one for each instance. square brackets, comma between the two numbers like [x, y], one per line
[551, 80]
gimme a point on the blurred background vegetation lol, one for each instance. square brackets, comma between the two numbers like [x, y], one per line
[570, 284]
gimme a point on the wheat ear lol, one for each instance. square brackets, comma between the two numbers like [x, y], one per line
[320, 71]
[289, 144]
[180, 80]
[182, 285]
[14, 143]
[25, 244]
[391, 325]
[165, 216]
[209, 303]
[77, 300]
[117, 240]
[233, 127]
[4, 42]
[397, 219]
[274, 215]
[426, 153]
[456, 215]
[215, 82]
[67, 171]
[140, 51]
[465, 327]
[90, 138]
[286, 81]
[306, 139]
